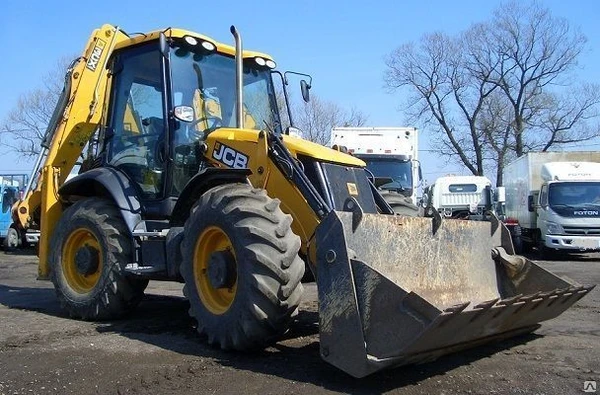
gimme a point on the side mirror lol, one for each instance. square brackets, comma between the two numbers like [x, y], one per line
[530, 204]
[305, 88]
[184, 113]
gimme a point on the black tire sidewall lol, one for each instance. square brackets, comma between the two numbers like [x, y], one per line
[401, 204]
[7, 240]
[269, 270]
[114, 294]
[58, 277]
[213, 217]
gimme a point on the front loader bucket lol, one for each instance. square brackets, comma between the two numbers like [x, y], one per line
[397, 290]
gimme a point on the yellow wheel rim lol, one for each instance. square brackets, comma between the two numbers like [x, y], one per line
[216, 300]
[79, 282]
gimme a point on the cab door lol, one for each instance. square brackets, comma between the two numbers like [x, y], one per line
[541, 211]
[137, 121]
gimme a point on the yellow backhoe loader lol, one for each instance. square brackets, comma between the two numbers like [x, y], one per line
[185, 173]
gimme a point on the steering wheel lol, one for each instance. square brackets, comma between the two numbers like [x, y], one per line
[193, 134]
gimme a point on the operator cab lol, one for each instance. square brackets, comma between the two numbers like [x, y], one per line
[162, 108]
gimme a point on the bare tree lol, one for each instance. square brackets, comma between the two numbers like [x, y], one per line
[318, 117]
[25, 125]
[500, 89]
[538, 56]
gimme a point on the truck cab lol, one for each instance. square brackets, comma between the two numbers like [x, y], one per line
[390, 153]
[567, 207]
[464, 197]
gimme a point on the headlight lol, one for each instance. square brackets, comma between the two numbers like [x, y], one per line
[553, 228]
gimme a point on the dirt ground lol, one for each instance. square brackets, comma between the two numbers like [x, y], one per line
[157, 350]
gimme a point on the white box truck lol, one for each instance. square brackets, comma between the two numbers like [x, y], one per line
[553, 201]
[391, 154]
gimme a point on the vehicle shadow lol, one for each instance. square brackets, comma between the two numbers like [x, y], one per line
[163, 321]
[295, 357]
[536, 255]
[41, 300]
[25, 251]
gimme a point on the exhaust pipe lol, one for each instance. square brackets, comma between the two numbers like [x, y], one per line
[239, 70]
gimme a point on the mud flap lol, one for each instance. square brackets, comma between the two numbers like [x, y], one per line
[394, 292]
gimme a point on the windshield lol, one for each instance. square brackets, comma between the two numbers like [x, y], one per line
[205, 84]
[574, 194]
[399, 171]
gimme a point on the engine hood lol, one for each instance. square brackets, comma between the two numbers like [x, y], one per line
[236, 138]
[323, 154]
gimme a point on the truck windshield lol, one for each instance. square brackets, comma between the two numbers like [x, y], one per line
[399, 171]
[580, 194]
[206, 83]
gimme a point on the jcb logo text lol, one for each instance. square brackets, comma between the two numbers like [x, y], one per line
[229, 156]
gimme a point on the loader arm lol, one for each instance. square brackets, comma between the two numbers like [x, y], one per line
[76, 117]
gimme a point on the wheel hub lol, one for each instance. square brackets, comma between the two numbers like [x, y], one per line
[221, 269]
[87, 260]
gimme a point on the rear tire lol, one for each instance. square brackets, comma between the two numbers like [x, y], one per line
[401, 204]
[246, 229]
[12, 240]
[88, 253]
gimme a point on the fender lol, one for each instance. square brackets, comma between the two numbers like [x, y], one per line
[199, 184]
[110, 183]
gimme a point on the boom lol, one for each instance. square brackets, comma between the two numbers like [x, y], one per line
[76, 117]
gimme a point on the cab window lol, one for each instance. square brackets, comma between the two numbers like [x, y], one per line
[137, 119]
[544, 196]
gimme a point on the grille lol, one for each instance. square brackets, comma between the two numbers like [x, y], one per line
[581, 230]
[460, 199]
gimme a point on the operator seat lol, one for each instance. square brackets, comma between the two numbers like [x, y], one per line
[155, 129]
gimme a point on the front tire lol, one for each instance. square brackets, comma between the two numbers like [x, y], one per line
[241, 267]
[88, 253]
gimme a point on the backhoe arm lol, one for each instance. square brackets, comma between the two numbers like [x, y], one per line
[76, 117]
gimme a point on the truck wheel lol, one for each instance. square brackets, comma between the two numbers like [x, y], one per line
[401, 204]
[518, 244]
[549, 254]
[12, 239]
[241, 267]
[526, 246]
[88, 252]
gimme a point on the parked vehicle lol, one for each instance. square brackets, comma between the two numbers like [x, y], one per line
[11, 188]
[553, 201]
[391, 154]
[464, 197]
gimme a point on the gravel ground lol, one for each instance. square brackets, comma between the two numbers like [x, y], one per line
[157, 351]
